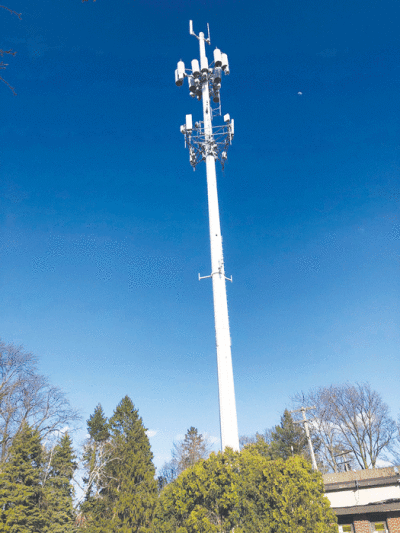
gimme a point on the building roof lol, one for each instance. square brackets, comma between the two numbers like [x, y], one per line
[373, 478]
[377, 507]
[359, 475]
[358, 479]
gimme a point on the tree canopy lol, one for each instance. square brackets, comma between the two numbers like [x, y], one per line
[191, 449]
[28, 397]
[123, 493]
[288, 438]
[185, 453]
[248, 492]
[58, 491]
[20, 485]
[351, 418]
[268, 487]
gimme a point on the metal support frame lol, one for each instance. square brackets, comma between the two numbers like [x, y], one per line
[200, 146]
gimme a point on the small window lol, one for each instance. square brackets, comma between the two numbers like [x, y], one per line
[379, 527]
[345, 528]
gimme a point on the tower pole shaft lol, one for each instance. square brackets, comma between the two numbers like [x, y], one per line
[227, 404]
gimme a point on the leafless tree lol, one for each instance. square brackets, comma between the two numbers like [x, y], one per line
[185, 453]
[244, 440]
[351, 418]
[395, 449]
[168, 473]
[322, 425]
[96, 457]
[191, 449]
[28, 397]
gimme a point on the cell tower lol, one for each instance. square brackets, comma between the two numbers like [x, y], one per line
[209, 143]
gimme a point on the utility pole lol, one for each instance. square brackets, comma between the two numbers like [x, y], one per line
[345, 460]
[208, 142]
[305, 423]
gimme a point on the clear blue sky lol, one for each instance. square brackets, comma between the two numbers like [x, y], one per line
[104, 225]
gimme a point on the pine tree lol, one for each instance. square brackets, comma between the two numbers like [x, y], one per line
[97, 453]
[98, 427]
[185, 454]
[20, 485]
[58, 490]
[193, 448]
[125, 502]
[288, 439]
[132, 488]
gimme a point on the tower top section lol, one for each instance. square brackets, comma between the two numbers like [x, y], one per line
[204, 81]
[191, 32]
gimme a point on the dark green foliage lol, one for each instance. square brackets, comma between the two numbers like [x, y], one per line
[57, 488]
[96, 453]
[290, 439]
[98, 427]
[20, 485]
[248, 492]
[127, 496]
[93, 515]
[132, 488]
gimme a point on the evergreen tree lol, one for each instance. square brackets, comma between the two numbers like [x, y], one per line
[289, 439]
[132, 487]
[248, 493]
[193, 448]
[97, 453]
[185, 453]
[126, 501]
[20, 485]
[98, 426]
[58, 490]
[282, 496]
[259, 446]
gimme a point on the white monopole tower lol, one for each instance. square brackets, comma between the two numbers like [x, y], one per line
[209, 143]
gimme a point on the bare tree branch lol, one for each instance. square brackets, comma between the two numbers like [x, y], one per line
[28, 397]
[351, 418]
[19, 15]
[191, 449]
[3, 65]
[96, 457]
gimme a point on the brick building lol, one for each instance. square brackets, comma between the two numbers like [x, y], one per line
[365, 501]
